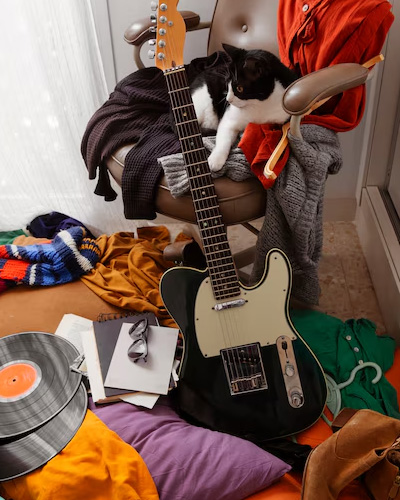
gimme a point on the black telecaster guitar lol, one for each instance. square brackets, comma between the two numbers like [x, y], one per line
[245, 369]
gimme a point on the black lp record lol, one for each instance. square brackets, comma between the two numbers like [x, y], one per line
[24, 454]
[36, 381]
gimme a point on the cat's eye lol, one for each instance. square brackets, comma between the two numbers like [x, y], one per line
[239, 88]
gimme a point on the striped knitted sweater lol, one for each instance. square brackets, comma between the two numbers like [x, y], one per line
[68, 256]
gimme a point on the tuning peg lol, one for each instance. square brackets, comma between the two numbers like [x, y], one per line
[153, 18]
[152, 42]
[163, 7]
[151, 54]
[153, 6]
[152, 29]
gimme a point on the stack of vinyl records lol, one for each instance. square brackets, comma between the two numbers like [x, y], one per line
[42, 400]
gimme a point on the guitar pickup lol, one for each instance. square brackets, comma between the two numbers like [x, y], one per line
[244, 369]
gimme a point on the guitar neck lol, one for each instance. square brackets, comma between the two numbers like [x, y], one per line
[221, 267]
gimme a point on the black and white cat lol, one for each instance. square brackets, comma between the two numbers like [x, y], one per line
[252, 93]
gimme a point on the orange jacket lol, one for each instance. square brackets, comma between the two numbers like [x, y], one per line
[315, 34]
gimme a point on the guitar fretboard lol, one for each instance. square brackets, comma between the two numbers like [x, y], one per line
[224, 280]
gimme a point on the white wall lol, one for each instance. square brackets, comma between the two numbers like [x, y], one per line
[341, 190]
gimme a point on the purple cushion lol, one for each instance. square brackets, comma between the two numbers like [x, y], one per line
[189, 462]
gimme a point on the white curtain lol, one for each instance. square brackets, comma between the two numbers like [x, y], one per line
[51, 83]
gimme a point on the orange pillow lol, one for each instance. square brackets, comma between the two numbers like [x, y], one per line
[96, 464]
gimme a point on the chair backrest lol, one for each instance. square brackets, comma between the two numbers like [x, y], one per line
[250, 24]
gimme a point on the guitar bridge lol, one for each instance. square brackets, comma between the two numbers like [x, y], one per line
[244, 369]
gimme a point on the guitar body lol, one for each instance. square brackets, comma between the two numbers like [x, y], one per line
[204, 391]
[245, 370]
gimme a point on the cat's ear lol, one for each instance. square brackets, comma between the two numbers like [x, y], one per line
[231, 50]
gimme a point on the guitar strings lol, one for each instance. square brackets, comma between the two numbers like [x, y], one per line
[226, 319]
[188, 129]
[179, 103]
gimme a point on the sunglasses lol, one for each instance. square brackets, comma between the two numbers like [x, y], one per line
[138, 333]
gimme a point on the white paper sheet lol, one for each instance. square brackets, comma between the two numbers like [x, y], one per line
[73, 327]
[142, 399]
[152, 376]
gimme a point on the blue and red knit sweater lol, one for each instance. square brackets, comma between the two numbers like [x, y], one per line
[65, 258]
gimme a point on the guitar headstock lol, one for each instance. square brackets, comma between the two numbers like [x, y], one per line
[171, 32]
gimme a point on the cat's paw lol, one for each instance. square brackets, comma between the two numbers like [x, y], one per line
[216, 160]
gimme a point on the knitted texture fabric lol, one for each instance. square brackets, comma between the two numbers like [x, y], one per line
[49, 225]
[138, 112]
[293, 218]
[236, 168]
[69, 255]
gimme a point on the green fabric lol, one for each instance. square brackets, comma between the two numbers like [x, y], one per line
[7, 237]
[333, 342]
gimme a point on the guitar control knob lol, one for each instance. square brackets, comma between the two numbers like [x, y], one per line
[151, 54]
[289, 370]
[297, 399]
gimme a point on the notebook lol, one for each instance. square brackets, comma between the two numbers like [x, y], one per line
[151, 375]
[99, 345]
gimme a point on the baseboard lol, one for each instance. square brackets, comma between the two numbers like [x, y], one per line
[382, 252]
[340, 209]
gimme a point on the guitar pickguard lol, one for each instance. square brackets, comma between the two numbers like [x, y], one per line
[261, 318]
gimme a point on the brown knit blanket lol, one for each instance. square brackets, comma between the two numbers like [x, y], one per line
[138, 111]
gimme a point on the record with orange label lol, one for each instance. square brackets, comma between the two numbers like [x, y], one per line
[29, 451]
[36, 380]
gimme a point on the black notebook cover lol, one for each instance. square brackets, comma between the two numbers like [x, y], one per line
[106, 332]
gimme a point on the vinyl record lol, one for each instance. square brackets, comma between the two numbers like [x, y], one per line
[24, 454]
[36, 381]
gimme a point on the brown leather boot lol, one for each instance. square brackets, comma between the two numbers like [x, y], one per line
[347, 454]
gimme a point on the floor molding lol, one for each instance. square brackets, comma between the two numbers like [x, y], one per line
[340, 209]
[382, 252]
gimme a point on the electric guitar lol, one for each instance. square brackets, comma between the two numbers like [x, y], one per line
[245, 369]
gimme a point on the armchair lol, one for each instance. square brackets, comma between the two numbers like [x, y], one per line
[250, 24]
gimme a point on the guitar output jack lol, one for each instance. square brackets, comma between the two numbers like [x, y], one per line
[296, 399]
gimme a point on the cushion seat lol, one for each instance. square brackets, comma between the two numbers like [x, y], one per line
[240, 202]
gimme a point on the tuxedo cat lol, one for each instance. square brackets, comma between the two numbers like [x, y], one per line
[251, 93]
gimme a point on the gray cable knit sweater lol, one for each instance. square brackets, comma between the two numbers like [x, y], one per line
[236, 168]
[293, 217]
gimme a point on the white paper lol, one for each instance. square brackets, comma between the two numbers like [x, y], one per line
[152, 376]
[93, 365]
[73, 327]
[142, 399]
